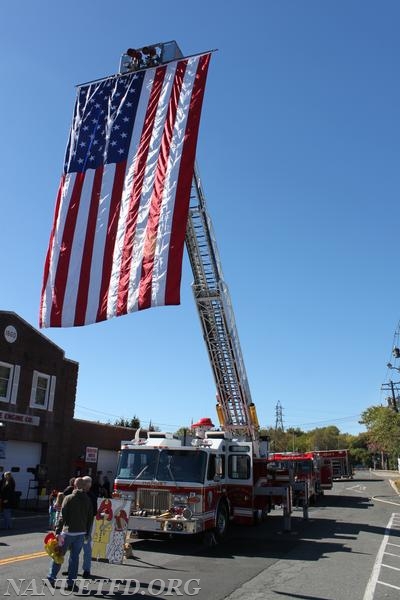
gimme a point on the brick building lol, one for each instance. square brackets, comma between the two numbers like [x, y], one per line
[40, 441]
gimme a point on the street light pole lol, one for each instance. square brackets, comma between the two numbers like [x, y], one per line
[396, 353]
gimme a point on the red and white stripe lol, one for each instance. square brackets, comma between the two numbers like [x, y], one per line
[117, 240]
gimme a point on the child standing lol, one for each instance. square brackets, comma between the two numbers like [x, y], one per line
[57, 508]
[52, 510]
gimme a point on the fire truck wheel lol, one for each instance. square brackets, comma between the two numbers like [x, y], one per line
[222, 522]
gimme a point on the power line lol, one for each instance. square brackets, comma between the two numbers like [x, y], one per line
[330, 421]
[142, 419]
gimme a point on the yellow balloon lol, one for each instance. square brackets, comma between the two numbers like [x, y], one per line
[53, 550]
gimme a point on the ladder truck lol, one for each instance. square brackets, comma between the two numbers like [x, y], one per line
[222, 475]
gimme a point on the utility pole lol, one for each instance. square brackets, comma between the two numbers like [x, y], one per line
[392, 400]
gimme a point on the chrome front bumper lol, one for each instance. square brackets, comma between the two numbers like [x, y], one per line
[165, 525]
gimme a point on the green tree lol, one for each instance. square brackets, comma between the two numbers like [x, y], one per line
[383, 432]
[324, 438]
[294, 439]
[184, 433]
[133, 423]
[277, 438]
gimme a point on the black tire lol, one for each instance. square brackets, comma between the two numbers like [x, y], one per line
[222, 522]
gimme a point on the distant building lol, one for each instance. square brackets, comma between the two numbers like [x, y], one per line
[40, 441]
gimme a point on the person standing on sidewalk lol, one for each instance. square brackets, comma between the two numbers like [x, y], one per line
[75, 523]
[70, 487]
[87, 546]
[8, 498]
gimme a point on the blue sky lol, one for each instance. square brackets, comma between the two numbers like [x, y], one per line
[299, 156]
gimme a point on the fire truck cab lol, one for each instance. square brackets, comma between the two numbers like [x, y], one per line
[188, 489]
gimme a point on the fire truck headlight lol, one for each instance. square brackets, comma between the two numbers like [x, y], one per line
[180, 499]
[125, 495]
[187, 513]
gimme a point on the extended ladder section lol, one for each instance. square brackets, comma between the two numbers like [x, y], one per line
[235, 408]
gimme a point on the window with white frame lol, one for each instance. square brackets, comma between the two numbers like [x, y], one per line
[5, 381]
[42, 393]
[9, 380]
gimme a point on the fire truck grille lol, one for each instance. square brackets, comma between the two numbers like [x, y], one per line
[155, 501]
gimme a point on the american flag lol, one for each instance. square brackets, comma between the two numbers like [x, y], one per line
[117, 240]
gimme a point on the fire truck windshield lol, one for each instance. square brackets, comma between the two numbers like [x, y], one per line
[162, 465]
[182, 465]
[137, 464]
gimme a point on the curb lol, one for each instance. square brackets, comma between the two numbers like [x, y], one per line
[27, 514]
[394, 486]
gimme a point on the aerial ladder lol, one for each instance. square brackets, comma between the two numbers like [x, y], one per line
[235, 409]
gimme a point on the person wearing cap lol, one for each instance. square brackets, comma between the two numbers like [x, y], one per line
[75, 523]
[87, 546]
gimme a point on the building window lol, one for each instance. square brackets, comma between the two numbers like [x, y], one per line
[42, 387]
[42, 393]
[9, 380]
[5, 381]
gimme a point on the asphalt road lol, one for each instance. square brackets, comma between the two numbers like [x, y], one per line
[348, 549]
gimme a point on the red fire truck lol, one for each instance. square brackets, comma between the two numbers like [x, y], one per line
[339, 461]
[222, 474]
[305, 467]
[325, 472]
[194, 488]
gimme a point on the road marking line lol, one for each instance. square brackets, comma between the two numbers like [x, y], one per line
[390, 567]
[395, 587]
[354, 487]
[11, 559]
[375, 499]
[373, 580]
[392, 544]
[391, 554]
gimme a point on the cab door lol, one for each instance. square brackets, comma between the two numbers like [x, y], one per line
[239, 482]
[214, 486]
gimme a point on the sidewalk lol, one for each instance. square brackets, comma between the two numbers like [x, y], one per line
[28, 512]
[23, 512]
